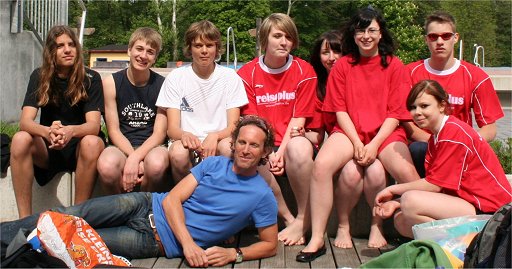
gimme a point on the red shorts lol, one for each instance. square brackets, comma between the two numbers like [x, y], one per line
[398, 135]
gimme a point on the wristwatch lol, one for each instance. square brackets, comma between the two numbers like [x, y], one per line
[239, 255]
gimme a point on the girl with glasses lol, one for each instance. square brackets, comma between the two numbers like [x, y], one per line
[366, 89]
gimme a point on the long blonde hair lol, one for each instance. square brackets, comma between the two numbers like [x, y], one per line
[47, 73]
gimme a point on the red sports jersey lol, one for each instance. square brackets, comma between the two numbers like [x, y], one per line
[321, 119]
[279, 94]
[464, 165]
[469, 87]
[368, 92]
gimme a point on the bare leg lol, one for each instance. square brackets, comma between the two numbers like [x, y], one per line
[396, 159]
[348, 191]
[26, 151]
[334, 154]
[156, 171]
[415, 209]
[282, 208]
[299, 166]
[375, 181]
[180, 161]
[88, 151]
[110, 170]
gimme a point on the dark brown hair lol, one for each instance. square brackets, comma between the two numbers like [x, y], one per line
[263, 125]
[333, 41]
[205, 30]
[430, 87]
[76, 89]
[440, 17]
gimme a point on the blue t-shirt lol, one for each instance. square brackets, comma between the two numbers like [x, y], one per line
[222, 204]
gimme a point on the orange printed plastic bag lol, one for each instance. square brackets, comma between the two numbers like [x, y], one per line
[74, 241]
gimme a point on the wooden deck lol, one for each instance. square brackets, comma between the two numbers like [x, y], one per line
[285, 258]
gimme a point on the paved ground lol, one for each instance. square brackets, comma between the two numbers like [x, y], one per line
[505, 125]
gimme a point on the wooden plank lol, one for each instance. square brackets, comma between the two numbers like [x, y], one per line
[248, 238]
[345, 257]
[276, 261]
[163, 262]
[389, 247]
[363, 251]
[290, 253]
[327, 260]
[146, 263]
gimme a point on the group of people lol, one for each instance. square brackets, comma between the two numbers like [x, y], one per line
[354, 89]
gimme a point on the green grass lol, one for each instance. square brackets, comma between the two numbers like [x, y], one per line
[9, 128]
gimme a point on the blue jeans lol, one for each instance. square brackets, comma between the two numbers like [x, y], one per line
[418, 152]
[121, 221]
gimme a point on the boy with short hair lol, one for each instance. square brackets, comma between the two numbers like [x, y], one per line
[136, 127]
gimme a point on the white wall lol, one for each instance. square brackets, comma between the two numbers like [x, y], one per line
[20, 54]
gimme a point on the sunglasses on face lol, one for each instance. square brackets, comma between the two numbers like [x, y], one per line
[444, 36]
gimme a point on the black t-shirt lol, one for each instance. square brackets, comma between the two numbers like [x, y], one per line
[136, 106]
[64, 112]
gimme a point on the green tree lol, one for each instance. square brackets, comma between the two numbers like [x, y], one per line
[312, 18]
[241, 15]
[476, 24]
[114, 21]
[503, 33]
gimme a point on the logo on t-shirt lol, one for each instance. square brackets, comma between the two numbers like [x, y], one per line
[275, 99]
[455, 100]
[137, 115]
[185, 106]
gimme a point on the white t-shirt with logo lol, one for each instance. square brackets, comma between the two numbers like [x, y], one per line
[203, 102]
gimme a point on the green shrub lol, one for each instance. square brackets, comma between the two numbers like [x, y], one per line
[503, 149]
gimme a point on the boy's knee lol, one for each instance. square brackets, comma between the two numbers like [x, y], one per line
[91, 146]
[21, 141]
[155, 166]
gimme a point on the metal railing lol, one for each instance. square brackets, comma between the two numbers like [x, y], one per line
[475, 59]
[230, 30]
[41, 15]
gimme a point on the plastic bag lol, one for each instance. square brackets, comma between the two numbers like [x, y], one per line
[453, 234]
[74, 241]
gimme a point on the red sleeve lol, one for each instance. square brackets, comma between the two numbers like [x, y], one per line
[486, 104]
[316, 121]
[306, 94]
[246, 74]
[334, 100]
[446, 167]
[400, 85]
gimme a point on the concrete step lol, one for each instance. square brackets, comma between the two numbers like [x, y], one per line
[60, 191]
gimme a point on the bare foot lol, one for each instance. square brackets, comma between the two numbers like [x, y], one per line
[376, 239]
[343, 238]
[293, 234]
[314, 245]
